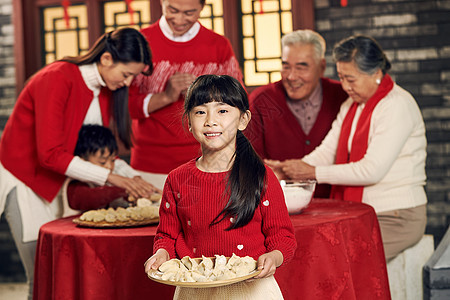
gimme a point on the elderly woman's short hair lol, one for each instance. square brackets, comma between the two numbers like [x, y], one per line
[364, 51]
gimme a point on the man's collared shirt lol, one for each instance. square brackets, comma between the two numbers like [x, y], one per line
[306, 111]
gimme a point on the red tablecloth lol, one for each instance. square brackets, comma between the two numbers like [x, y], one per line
[339, 256]
[77, 263]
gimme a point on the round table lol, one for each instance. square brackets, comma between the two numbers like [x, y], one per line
[94, 264]
[339, 256]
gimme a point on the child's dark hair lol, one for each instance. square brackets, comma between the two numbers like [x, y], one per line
[92, 138]
[246, 179]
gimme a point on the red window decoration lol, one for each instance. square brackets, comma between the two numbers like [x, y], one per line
[130, 11]
[65, 4]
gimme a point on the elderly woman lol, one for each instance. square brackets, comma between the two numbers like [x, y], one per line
[375, 151]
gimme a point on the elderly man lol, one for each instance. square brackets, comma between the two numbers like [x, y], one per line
[182, 50]
[292, 116]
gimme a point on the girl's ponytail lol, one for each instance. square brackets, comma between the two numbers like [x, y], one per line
[246, 183]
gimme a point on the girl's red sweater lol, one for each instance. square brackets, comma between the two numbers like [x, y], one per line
[192, 199]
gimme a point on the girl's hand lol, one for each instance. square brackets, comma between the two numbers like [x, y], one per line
[156, 260]
[268, 263]
[137, 188]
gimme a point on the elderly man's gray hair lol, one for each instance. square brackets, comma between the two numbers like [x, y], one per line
[306, 36]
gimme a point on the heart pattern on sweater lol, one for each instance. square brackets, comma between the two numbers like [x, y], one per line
[266, 203]
[240, 247]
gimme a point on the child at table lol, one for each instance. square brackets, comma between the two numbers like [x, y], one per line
[97, 145]
[226, 201]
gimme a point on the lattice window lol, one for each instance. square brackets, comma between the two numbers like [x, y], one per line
[212, 16]
[59, 40]
[262, 29]
[116, 14]
[263, 24]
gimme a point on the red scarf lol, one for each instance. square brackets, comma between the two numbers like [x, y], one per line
[360, 140]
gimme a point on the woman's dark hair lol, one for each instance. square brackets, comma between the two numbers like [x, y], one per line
[125, 45]
[92, 138]
[246, 179]
[364, 51]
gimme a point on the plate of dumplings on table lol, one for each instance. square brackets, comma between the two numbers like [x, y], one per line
[144, 213]
[205, 272]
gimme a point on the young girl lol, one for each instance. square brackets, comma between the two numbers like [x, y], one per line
[225, 201]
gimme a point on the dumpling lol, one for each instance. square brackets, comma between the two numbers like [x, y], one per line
[187, 277]
[234, 259]
[88, 216]
[170, 275]
[191, 264]
[206, 266]
[198, 277]
[142, 202]
[220, 266]
[221, 261]
[121, 216]
[207, 262]
[172, 265]
[226, 274]
[110, 217]
[245, 267]
[149, 212]
[98, 216]
[241, 266]
[135, 215]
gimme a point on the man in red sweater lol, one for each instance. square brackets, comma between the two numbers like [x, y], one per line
[182, 50]
[292, 116]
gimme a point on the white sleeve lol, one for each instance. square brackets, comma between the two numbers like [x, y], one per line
[145, 106]
[123, 169]
[87, 172]
[391, 125]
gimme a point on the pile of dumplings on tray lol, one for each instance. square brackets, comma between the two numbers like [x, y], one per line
[191, 270]
[143, 210]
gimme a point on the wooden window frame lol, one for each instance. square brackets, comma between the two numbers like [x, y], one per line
[28, 48]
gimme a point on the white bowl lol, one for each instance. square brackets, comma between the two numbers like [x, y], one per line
[297, 194]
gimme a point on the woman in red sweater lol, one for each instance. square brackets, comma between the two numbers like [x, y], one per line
[36, 148]
[225, 201]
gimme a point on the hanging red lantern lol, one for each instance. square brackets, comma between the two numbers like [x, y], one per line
[65, 4]
[130, 10]
[343, 3]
